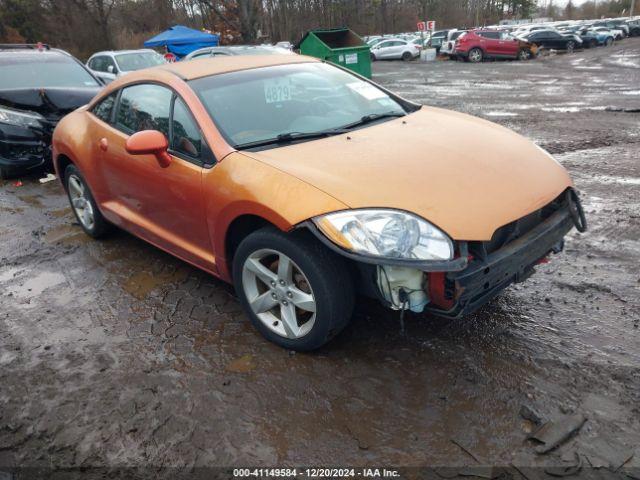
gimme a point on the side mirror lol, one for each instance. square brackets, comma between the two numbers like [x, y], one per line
[110, 69]
[150, 142]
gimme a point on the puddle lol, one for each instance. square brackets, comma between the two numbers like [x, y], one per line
[67, 235]
[501, 114]
[243, 364]
[33, 200]
[38, 284]
[141, 284]
[63, 212]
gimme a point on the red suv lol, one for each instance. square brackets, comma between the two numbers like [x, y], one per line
[476, 45]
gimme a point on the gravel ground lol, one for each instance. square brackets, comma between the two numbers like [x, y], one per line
[114, 354]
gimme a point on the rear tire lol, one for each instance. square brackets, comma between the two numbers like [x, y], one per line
[4, 173]
[476, 55]
[271, 294]
[571, 46]
[83, 204]
[406, 57]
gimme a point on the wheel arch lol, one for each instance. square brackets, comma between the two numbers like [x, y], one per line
[60, 164]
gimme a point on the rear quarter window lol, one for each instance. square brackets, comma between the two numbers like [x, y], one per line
[104, 109]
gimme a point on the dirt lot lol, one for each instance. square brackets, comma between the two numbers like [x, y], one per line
[115, 354]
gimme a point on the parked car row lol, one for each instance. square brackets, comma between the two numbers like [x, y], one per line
[505, 42]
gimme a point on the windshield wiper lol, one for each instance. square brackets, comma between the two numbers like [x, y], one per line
[291, 137]
[372, 117]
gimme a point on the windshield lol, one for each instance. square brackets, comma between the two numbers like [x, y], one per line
[37, 70]
[129, 62]
[261, 104]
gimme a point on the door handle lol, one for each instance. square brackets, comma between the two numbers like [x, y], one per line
[104, 144]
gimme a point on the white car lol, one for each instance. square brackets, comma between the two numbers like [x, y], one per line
[449, 44]
[107, 66]
[395, 49]
[617, 34]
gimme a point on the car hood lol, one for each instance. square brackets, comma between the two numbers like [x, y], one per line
[51, 103]
[464, 174]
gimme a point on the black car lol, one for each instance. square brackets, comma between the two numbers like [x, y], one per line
[552, 39]
[38, 86]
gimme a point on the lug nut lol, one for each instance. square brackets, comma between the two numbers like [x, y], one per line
[274, 296]
[289, 294]
[282, 282]
[285, 303]
[273, 284]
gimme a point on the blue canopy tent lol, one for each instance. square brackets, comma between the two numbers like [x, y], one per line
[181, 40]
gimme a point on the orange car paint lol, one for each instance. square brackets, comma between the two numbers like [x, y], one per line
[410, 163]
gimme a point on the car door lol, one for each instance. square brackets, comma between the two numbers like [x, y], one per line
[383, 49]
[557, 41]
[162, 205]
[509, 46]
[489, 43]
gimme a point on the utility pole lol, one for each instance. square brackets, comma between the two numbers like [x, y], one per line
[633, 8]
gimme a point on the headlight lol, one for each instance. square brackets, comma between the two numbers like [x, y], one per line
[20, 119]
[386, 233]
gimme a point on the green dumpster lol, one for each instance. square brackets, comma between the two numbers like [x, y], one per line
[340, 46]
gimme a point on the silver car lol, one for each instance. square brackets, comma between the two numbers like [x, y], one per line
[237, 50]
[109, 65]
[395, 49]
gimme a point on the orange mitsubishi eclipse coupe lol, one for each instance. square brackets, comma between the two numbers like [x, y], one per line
[304, 184]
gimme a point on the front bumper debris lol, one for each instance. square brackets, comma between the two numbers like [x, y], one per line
[514, 263]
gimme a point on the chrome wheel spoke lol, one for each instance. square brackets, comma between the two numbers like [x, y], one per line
[304, 301]
[285, 269]
[87, 216]
[76, 187]
[78, 202]
[289, 320]
[264, 302]
[260, 271]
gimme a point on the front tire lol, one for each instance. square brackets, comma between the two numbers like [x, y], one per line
[296, 292]
[83, 204]
[571, 47]
[524, 54]
[608, 42]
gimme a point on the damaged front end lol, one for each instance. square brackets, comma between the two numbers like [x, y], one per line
[477, 271]
[27, 120]
[25, 141]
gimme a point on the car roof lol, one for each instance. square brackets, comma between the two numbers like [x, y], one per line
[21, 50]
[204, 67]
[120, 52]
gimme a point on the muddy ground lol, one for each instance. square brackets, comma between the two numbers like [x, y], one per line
[115, 354]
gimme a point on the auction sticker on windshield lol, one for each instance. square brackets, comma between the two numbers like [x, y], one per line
[367, 90]
[277, 90]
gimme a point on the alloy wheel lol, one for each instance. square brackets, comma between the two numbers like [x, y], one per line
[475, 55]
[80, 202]
[279, 293]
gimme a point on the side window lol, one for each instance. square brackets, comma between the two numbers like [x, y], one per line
[103, 109]
[98, 64]
[186, 134]
[144, 107]
[108, 62]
